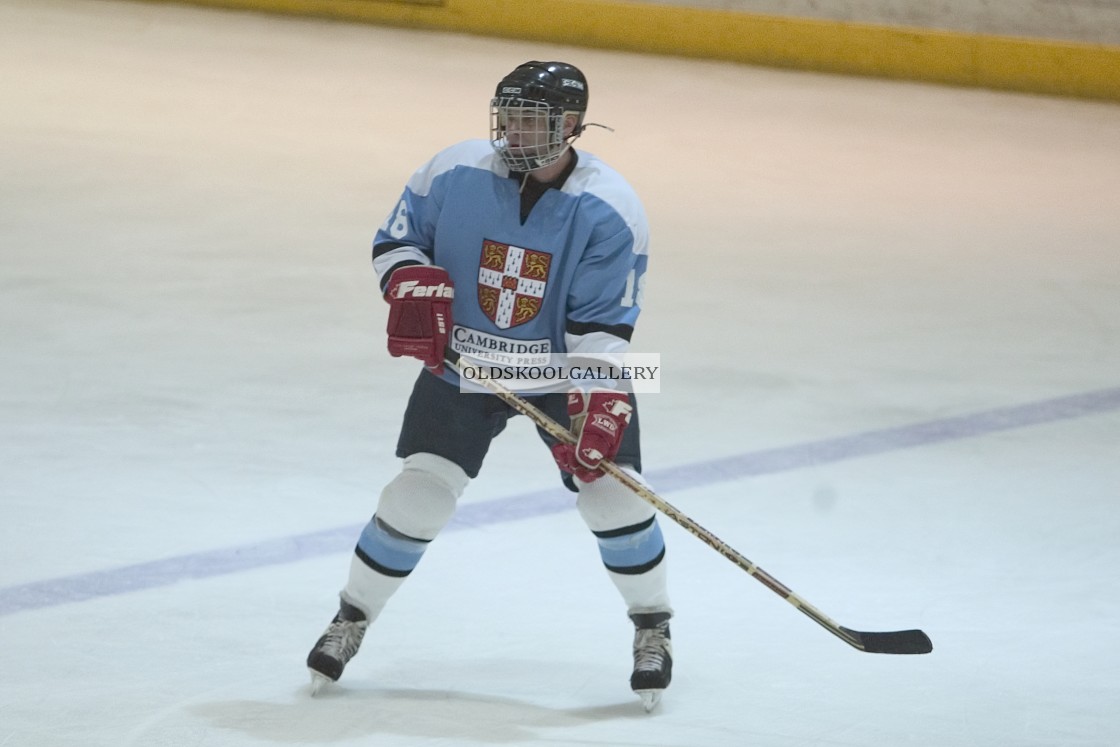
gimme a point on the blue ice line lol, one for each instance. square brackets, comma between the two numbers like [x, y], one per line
[157, 573]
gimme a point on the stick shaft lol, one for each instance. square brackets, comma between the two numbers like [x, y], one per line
[562, 434]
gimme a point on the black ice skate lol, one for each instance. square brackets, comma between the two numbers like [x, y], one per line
[336, 646]
[653, 657]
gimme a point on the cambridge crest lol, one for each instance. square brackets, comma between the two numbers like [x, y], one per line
[511, 283]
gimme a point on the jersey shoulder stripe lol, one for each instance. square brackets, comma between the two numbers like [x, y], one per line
[594, 177]
[477, 154]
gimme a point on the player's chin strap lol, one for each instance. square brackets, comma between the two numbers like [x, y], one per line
[583, 127]
[893, 642]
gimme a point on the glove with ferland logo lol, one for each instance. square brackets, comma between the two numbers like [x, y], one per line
[419, 299]
[598, 419]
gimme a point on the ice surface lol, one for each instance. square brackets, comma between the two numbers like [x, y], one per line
[889, 316]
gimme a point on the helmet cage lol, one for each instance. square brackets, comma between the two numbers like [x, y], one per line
[528, 134]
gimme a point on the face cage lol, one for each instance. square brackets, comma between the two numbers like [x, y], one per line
[536, 129]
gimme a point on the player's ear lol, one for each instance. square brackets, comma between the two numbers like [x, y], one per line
[571, 121]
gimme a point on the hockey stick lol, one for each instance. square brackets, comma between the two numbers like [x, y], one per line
[891, 642]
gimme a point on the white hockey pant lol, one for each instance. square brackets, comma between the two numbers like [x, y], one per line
[412, 510]
[630, 542]
[419, 502]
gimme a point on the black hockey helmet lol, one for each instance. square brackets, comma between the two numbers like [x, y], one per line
[550, 90]
[560, 85]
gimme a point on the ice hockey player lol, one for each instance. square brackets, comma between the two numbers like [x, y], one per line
[522, 246]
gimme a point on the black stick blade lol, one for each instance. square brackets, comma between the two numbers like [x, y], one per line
[894, 642]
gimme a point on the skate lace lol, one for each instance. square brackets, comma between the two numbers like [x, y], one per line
[343, 638]
[650, 647]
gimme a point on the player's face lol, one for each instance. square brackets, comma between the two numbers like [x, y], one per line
[528, 134]
[525, 129]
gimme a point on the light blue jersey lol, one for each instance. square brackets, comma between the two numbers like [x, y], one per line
[567, 280]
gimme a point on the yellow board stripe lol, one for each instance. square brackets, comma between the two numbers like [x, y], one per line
[1008, 63]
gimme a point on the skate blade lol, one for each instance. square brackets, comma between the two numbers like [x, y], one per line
[319, 683]
[650, 698]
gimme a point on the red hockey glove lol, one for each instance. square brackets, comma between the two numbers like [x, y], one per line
[599, 418]
[419, 299]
